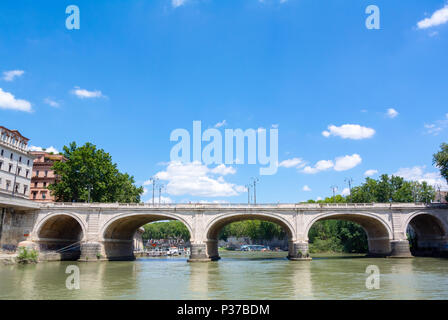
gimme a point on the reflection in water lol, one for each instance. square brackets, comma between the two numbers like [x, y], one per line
[239, 275]
[300, 280]
[199, 279]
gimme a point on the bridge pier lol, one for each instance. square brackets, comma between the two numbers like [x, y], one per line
[198, 253]
[299, 251]
[400, 249]
[91, 251]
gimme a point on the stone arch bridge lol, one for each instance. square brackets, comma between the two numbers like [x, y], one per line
[105, 231]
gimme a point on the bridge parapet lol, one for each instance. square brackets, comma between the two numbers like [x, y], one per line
[293, 206]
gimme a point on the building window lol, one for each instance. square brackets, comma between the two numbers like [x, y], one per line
[1, 164]
[35, 184]
[28, 163]
[37, 173]
[18, 171]
[17, 187]
[8, 183]
[20, 159]
[46, 173]
[10, 157]
[3, 151]
[45, 184]
[34, 195]
[44, 195]
[27, 173]
[25, 188]
[10, 167]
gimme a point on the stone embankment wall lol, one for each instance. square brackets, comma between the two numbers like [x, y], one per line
[15, 226]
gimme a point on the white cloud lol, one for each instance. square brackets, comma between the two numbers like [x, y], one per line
[370, 172]
[392, 113]
[349, 131]
[178, 3]
[51, 102]
[8, 101]
[321, 165]
[306, 188]
[339, 164]
[417, 173]
[197, 179]
[437, 127]
[345, 192]
[294, 162]
[49, 149]
[11, 75]
[221, 124]
[437, 18]
[86, 94]
[347, 162]
[223, 170]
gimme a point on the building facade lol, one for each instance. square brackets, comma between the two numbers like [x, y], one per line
[43, 175]
[16, 164]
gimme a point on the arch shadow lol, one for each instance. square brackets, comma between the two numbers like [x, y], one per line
[428, 235]
[118, 233]
[215, 226]
[61, 233]
[378, 233]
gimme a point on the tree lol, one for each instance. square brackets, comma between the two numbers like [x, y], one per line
[440, 159]
[166, 230]
[88, 168]
[392, 189]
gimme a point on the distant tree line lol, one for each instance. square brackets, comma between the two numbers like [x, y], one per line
[166, 230]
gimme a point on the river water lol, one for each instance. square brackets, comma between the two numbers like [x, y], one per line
[238, 275]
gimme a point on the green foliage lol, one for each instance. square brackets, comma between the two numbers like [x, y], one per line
[392, 189]
[337, 236]
[440, 159]
[253, 229]
[88, 166]
[166, 230]
[27, 256]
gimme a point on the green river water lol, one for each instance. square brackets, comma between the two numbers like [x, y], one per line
[238, 275]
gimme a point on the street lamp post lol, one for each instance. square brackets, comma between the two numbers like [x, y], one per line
[334, 188]
[89, 189]
[349, 181]
[248, 193]
[254, 181]
[154, 181]
[160, 186]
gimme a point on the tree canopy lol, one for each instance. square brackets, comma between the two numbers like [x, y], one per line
[392, 189]
[166, 230]
[90, 168]
[440, 159]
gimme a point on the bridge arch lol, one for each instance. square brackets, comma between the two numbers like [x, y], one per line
[117, 233]
[214, 227]
[430, 233]
[59, 230]
[379, 232]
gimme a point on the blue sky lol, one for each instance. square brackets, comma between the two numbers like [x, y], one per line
[136, 70]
